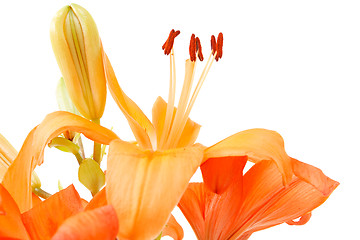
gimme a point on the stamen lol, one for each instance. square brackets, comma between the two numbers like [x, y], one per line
[219, 46]
[192, 48]
[168, 45]
[213, 44]
[199, 49]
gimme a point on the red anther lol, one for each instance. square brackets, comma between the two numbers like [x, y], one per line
[213, 44]
[219, 46]
[192, 48]
[199, 49]
[170, 42]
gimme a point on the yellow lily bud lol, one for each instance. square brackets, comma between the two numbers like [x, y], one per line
[77, 47]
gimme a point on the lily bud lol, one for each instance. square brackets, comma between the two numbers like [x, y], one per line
[77, 47]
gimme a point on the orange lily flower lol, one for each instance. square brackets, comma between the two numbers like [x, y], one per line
[61, 216]
[254, 201]
[150, 183]
[17, 182]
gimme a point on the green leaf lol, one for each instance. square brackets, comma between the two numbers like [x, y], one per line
[91, 175]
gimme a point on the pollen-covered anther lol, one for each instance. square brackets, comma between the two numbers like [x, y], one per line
[168, 45]
[213, 44]
[219, 46]
[192, 48]
[199, 49]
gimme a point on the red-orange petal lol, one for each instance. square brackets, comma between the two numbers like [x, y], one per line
[100, 223]
[99, 200]
[267, 202]
[43, 220]
[144, 186]
[219, 173]
[314, 176]
[17, 179]
[193, 206]
[258, 145]
[7, 155]
[11, 225]
[173, 229]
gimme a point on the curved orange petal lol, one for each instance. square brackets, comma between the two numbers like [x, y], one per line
[99, 200]
[193, 206]
[11, 225]
[173, 229]
[258, 145]
[219, 173]
[7, 155]
[100, 223]
[267, 202]
[314, 176]
[151, 185]
[191, 129]
[17, 179]
[211, 215]
[43, 220]
[140, 125]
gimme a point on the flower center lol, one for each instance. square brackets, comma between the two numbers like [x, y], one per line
[174, 125]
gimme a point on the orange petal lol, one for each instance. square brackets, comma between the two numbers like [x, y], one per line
[7, 155]
[17, 179]
[314, 176]
[151, 185]
[303, 220]
[43, 220]
[140, 125]
[11, 226]
[99, 200]
[193, 206]
[173, 229]
[267, 202]
[212, 215]
[257, 144]
[219, 173]
[35, 199]
[191, 129]
[100, 223]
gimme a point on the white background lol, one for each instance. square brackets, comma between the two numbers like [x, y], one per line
[289, 66]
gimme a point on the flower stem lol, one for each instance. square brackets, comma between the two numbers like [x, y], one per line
[41, 193]
[97, 147]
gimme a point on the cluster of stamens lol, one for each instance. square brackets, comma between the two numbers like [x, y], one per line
[174, 123]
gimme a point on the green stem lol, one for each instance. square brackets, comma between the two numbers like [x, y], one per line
[97, 147]
[41, 193]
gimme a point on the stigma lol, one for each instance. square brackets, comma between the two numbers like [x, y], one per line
[176, 119]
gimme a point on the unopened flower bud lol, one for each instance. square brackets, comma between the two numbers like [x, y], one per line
[77, 47]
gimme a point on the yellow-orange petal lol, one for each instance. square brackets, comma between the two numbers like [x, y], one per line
[219, 173]
[141, 126]
[100, 223]
[17, 179]
[188, 135]
[267, 202]
[258, 145]
[151, 184]
[7, 155]
[43, 220]
[11, 225]
[173, 229]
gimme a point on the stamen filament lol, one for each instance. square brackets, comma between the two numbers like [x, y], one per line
[171, 101]
[174, 137]
[184, 98]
